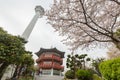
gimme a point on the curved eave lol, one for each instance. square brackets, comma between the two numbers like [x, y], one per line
[50, 50]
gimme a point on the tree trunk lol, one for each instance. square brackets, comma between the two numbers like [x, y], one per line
[20, 69]
[2, 69]
[117, 44]
[16, 72]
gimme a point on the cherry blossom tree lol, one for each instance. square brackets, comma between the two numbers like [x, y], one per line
[86, 23]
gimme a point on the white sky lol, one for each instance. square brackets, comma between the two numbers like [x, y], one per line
[15, 15]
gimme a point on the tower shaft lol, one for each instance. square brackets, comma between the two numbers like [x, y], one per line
[39, 13]
[30, 27]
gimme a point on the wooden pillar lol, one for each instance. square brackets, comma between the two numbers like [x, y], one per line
[52, 72]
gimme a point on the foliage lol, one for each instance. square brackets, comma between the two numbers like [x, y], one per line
[96, 77]
[11, 48]
[27, 59]
[12, 51]
[25, 67]
[96, 63]
[70, 74]
[36, 67]
[75, 62]
[117, 33]
[86, 23]
[30, 68]
[110, 69]
[26, 78]
[84, 75]
[27, 64]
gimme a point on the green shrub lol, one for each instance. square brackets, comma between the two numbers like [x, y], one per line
[96, 77]
[70, 74]
[84, 75]
[110, 69]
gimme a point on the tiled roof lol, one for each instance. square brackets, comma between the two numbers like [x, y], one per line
[42, 50]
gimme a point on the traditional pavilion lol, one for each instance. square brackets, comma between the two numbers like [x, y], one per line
[50, 61]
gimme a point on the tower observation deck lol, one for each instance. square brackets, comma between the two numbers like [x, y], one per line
[39, 13]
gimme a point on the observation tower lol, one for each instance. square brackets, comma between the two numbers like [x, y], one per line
[39, 13]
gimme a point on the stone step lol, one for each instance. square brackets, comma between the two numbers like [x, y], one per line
[47, 77]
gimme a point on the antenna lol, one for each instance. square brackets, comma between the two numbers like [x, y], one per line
[39, 13]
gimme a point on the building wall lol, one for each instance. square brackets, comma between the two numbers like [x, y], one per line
[49, 59]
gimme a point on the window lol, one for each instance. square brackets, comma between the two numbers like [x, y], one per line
[46, 72]
[56, 72]
[47, 62]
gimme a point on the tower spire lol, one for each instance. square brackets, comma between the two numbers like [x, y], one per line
[39, 13]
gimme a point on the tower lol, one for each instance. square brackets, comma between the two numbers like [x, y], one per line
[50, 61]
[39, 13]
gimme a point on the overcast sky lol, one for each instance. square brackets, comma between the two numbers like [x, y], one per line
[15, 15]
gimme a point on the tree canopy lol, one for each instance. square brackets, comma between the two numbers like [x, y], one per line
[84, 75]
[110, 69]
[86, 23]
[76, 61]
[11, 47]
[12, 51]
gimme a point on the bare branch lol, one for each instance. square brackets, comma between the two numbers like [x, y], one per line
[95, 39]
[116, 1]
[85, 15]
[98, 25]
